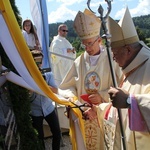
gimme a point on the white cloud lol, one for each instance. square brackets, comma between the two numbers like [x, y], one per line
[142, 8]
[126, 0]
[94, 5]
[120, 13]
[65, 12]
[97, 3]
[67, 2]
[61, 13]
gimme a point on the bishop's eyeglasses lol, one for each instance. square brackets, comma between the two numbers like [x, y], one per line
[88, 44]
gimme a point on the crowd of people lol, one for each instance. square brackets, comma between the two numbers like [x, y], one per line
[87, 79]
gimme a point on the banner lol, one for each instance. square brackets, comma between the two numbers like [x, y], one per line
[40, 19]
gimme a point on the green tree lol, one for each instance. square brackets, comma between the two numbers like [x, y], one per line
[141, 34]
[142, 23]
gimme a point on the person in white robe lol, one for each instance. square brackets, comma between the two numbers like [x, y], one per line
[133, 95]
[60, 47]
[90, 76]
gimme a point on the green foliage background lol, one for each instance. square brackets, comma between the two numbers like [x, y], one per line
[142, 24]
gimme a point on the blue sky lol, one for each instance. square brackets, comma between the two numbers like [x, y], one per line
[62, 10]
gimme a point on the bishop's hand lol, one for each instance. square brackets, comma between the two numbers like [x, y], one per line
[118, 97]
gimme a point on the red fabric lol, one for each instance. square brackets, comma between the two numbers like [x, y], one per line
[85, 98]
[107, 112]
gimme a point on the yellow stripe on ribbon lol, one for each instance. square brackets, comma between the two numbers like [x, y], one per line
[28, 60]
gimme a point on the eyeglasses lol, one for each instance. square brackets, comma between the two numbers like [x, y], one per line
[88, 44]
[64, 30]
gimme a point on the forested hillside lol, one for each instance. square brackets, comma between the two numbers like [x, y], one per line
[142, 24]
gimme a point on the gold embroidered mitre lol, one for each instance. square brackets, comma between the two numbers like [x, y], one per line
[87, 25]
